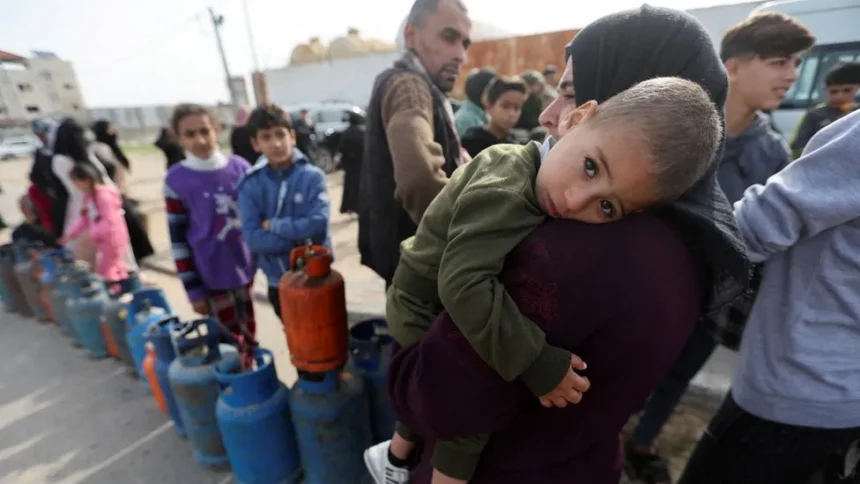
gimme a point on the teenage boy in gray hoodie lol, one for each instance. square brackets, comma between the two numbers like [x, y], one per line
[795, 396]
[761, 55]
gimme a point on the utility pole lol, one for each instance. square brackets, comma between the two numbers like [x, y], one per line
[217, 22]
[251, 36]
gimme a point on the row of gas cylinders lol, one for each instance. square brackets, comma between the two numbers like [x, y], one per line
[244, 418]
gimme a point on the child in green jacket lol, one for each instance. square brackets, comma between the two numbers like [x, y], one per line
[647, 145]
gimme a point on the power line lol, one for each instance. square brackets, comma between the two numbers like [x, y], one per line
[156, 41]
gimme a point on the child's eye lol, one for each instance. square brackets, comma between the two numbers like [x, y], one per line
[607, 208]
[590, 167]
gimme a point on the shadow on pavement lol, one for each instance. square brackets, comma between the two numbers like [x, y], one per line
[65, 418]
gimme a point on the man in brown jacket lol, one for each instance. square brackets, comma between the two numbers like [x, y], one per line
[412, 145]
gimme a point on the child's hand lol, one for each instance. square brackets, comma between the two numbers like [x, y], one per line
[62, 241]
[571, 387]
[201, 307]
[266, 224]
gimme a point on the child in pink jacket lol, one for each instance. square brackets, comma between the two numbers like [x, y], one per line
[102, 216]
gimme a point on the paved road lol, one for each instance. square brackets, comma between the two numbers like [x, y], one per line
[65, 418]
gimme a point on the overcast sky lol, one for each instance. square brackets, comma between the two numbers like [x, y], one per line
[133, 52]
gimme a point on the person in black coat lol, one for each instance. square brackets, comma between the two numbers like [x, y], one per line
[31, 230]
[304, 134]
[503, 101]
[240, 137]
[351, 152]
[173, 152]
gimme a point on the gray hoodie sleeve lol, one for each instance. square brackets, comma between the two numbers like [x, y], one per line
[813, 194]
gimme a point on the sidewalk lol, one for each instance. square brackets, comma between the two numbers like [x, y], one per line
[68, 419]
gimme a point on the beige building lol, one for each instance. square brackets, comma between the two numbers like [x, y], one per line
[41, 85]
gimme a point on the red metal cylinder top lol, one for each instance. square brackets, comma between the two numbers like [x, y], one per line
[318, 265]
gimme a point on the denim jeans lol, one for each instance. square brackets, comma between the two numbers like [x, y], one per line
[665, 398]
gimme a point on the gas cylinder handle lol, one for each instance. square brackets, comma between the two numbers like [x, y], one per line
[154, 327]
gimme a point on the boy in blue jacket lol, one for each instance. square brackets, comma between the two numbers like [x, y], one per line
[283, 199]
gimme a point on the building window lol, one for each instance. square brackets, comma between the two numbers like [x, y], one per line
[25, 87]
[68, 86]
[32, 109]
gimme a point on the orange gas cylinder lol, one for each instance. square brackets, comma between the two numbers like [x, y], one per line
[313, 311]
[45, 299]
[48, 315]
[152, 378]
[109, 341]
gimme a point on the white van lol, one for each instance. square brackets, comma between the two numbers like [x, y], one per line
[836, 26]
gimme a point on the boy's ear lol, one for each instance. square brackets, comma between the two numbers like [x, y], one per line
[254, 144]
[578, 115]
[732, 66]
[293, 135]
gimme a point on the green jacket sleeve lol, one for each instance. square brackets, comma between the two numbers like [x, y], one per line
[486, 225]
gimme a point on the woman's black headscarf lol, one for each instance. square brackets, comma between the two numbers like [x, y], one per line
[72, 142]
[103, 135]
[620, 50]
[173, 152]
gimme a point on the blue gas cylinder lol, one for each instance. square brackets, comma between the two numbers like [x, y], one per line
[148, 306]
[332, 423]
[370, 354]
[67, 285]
[10, 281]
[5, 297]
[24, 266]
[195, 389]
[253, 414]
[115, 314]
[85, 312]
[159, 335]
[53, 263]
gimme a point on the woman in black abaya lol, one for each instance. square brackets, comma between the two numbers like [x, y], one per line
[110, 154]
[117, 164]
[351, 151]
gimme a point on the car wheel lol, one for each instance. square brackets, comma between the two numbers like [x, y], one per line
[322, 159]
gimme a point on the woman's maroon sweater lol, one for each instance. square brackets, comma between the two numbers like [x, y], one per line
[623, 296]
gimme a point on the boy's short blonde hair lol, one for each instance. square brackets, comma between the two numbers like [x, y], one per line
[678, 123]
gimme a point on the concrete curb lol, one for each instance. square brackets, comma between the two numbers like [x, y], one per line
[700, 395]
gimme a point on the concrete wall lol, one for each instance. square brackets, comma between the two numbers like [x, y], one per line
[38, 88]
[347, 80]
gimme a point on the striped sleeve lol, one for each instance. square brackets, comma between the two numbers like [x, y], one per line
[177, 222]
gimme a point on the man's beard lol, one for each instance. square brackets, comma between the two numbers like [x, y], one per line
[441, 81]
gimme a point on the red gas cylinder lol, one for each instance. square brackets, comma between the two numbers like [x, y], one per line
[313, 311]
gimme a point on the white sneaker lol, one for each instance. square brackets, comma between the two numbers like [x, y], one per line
[381, 469]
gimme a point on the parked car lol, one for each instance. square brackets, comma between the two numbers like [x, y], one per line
[17, 147]
[329, 120]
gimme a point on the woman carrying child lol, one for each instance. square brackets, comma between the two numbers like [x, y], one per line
[589, 288]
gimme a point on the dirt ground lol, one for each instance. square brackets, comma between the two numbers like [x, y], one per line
[679, 437]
